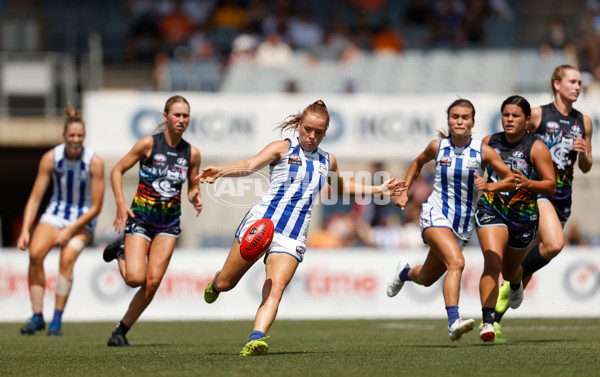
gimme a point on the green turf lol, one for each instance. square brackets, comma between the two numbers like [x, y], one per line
[535, 347]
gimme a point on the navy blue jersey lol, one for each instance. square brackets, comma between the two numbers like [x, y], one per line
[158, 197]
[557, 132]
[517, 208]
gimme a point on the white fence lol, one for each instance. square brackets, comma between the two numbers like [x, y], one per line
[328, 284]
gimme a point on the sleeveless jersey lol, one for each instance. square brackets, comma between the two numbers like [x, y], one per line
[557, 132]
[71, 191]
[158, 196]
[295, 181]
[518, 208]
[454, 191]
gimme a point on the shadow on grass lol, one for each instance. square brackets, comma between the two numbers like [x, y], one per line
[426, 346]
[540, 341]
[299, 353]
[149, 345]
[269, 353]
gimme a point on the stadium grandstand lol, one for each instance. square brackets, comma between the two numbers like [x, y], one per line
[58, 51]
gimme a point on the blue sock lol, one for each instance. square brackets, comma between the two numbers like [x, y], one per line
[57, 316]
[404, 274]
[452, 314]
[256, 335]
[38, 317]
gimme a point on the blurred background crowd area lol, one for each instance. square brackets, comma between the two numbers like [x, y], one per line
[53, 51]
[158, 44]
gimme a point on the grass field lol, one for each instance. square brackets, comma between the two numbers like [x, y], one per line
[535, 347]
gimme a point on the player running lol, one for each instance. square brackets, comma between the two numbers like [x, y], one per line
[448, 215]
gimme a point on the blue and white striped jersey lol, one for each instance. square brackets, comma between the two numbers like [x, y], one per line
[454, 192]
[71, 194]
[296, 180]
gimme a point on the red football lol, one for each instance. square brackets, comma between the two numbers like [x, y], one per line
[257, 239]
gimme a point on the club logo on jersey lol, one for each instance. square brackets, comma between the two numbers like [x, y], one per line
[164, 186]
[160, 158]
[552, 126]
[445, 161]
[561, 153]
[322, 169]
[294, 159]
[472, 163]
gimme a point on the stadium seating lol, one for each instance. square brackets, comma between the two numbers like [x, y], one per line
[200, 76]
[414, 71]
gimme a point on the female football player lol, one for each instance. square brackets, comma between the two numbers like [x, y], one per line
[69, 220]
[507, 221]
[568, 134]
[447, 217]
[299, 169]
[152, 222]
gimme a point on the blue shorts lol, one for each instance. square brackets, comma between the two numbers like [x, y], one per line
[518, 239]
[149, 230]
[562, 207]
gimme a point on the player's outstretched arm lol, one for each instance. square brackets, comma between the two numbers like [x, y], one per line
[270, 154]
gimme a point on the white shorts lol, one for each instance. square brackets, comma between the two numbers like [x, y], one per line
[280, 244]
[60, 222]
[432, 217]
